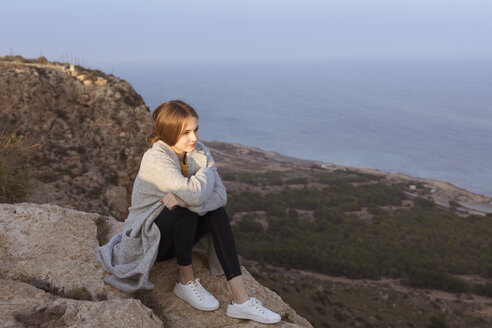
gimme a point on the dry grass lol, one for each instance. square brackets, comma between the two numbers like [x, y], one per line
[16, 150]
[17, 58]
[102, 230]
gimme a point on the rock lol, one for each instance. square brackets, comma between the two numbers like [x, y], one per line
[54, 250]
[23, 305]
[82, 113]
[177, 313]
[100, 82]
[56, 245]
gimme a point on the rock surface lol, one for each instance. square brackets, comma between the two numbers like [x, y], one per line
[23, 305]
[54, 244]
[50, 277]
[91, 129]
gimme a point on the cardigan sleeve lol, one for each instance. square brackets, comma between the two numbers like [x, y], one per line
[166, 176]
[218, 196]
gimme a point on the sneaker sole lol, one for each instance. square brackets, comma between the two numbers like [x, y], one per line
[196, 306]
[249, 317]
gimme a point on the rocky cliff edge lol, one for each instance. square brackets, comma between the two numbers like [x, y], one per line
[50, 277]
[91, 129]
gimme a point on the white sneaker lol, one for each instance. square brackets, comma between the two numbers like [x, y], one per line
[252, 309]
[197, 296]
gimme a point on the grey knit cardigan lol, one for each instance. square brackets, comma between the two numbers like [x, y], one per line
[130, 254]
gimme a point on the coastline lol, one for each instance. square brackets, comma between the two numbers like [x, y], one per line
[443, 193]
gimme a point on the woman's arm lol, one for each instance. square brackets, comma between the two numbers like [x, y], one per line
[171, 201]
[218, 198]
[163, 173]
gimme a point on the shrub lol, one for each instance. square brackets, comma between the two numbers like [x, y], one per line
[453, 204]
[301, 180]
[228, 176]
[92, 76]
[292, 213]
[437, 322]
[39, 60]
[483, 289]
[438, 279]
[375, 210]
[249, 225]
[275, 209]
[273, 178]
[424, 203]
[487, 270]
[15, 152]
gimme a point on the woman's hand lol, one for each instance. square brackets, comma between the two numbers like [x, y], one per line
[171, 201]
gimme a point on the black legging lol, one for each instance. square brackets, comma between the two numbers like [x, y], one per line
[181, 229]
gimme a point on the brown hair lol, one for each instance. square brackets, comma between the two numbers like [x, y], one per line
[169, 119]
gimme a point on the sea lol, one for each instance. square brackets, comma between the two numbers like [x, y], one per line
[425, 118]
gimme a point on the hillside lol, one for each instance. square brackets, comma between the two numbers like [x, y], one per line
[352, 247]
[91, 130]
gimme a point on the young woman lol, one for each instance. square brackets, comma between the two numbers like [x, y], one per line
[178, 204]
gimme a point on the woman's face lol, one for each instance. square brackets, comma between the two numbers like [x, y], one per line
[189, 137]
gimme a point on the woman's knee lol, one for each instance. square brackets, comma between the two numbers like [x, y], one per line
[183, 213]
[169, 218]
[219, 213]
[218, 218]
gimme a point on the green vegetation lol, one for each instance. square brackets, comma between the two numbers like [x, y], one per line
[346, 305]
[346, 176]
[277, 178]
[255, 179]
[437, 322]
[424, 246]
[15, 152]
[337, 198]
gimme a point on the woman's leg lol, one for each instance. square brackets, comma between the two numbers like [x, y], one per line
[177, 229]
[238, 290]
[242, 307]
[217, 223]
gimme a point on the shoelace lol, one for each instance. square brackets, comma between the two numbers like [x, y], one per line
[256, 304]
[198, 289]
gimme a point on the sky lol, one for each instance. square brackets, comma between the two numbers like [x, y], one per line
[120, 31]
